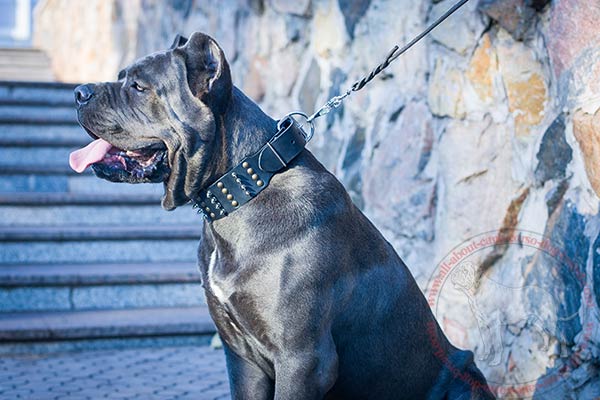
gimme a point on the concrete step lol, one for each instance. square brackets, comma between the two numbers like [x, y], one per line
[95, 297]
[28, 156]
[64, 180]
[54, 209]
[74, 199]
[99, 244]
[20, 53]
[38, 114]
[105, 324]
[24, 64]
[96, 233]
[25, 72]
[41, 170]
[49, 275]
[32, 93]
[33, 143]
[99, 251]
[47, 135]
[94, 215]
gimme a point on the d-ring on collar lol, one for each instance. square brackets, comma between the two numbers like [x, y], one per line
[250, 177]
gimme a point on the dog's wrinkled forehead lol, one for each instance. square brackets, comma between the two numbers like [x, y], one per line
[149, 67]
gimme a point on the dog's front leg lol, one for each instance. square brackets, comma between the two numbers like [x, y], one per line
[247, 381]
[306, 375]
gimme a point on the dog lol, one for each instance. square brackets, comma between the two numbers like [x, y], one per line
[311, 302]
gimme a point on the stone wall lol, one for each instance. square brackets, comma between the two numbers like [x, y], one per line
[492, 124]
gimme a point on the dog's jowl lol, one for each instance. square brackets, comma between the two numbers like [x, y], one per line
[310, 300]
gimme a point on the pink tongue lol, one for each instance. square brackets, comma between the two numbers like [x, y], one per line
[80, 159]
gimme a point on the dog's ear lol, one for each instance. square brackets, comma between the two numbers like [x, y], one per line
[208, 73]
[178, 42]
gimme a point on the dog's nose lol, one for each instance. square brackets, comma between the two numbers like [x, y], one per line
[83, 94]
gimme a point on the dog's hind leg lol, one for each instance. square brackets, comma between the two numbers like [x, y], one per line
[246, 380]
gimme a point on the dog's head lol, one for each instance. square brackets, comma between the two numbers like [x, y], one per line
[159, 121]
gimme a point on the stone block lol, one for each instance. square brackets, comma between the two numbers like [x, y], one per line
[328, 30]
[516, 16]
[309, 86]
[483, 69]
[573, 29]
[395, 175]
[459, 32]
[554, 153]
[525, 84]
[446, 90]
[586, 128]
[353, 11]
[300, 7]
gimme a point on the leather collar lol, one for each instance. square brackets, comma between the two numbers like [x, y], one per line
[245, 181]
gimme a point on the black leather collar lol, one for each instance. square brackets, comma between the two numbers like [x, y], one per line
[250, 177]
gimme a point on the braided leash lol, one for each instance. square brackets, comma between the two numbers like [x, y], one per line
[396, 52]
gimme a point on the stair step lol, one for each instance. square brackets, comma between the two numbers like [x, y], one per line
[99, 251]
[97, 274]
[106, 324]
[74, 199]
[99, 244]
[56, 287]
[94, 214]
[25, 72]
[21, 52]
[39, 61]
[49, 93]
[32, 143]
[96, 233]
[25, 64]
[61, 134]
[32, 169]
[38, 114]
[114, 297]
[29, 157]
[64, 180]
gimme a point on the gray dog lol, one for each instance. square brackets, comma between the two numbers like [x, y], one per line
[310, 300]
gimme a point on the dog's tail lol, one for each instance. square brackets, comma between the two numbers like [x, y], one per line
[460, 379]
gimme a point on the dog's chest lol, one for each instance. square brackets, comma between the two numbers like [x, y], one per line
[236, 315]
[215, 284]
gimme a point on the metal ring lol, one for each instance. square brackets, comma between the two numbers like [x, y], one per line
[307, 136]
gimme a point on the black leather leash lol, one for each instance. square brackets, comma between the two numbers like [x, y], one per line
[245, 181]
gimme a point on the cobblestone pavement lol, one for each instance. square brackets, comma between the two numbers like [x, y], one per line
[151, 373]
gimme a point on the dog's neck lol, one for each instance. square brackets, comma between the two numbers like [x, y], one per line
[253, 149]
[245, 128]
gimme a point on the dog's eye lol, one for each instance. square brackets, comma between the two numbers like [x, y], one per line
[137, 87]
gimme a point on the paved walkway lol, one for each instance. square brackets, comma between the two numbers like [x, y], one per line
[151, 373]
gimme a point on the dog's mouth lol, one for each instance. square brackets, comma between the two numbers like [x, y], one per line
[144, 165]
